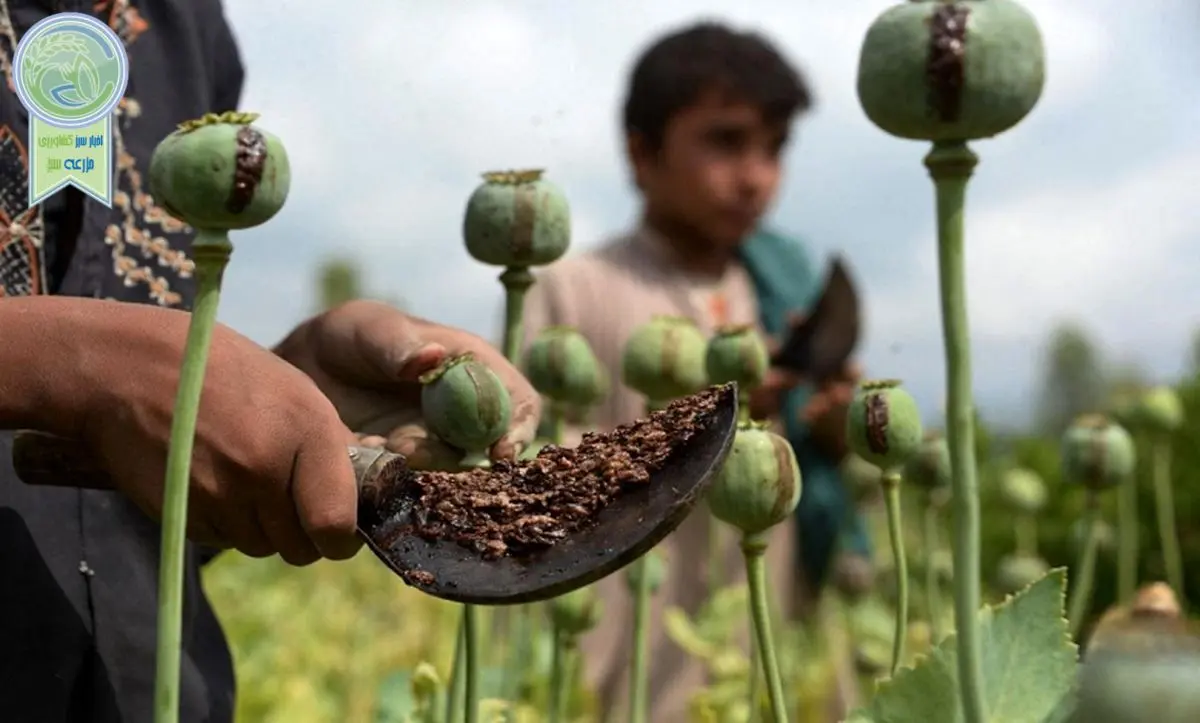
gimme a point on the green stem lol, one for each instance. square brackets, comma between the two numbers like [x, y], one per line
[754, 548]
[471, 635]
[457, 671]
[1165, 498]
[211, 252]
[1081, 591]
[1025, 529]
[743, 405]
[557, 416]
[1128, 532]
[933, 593]
[516, 280]
[570, 673]
[715, 566]
[950, 166]
[557, 685]
[515, 673]
[891, 496]
[755, 682]
[639, 674]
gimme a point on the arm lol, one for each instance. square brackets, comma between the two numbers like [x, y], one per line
[44, 362]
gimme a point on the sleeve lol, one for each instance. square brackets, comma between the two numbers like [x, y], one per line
[228, 73]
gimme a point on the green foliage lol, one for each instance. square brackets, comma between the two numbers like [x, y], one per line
[1029, 666]
[1057, 523]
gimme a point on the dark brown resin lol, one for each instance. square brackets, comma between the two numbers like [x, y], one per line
[249, 163]
[945, 69]
[877, 423]
[516, 509]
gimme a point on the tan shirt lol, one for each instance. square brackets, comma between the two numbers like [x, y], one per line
[606, 294]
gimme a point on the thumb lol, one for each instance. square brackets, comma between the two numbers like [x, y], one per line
[385, 347]
[522, 432]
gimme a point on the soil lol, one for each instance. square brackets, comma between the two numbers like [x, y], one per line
[516, 509]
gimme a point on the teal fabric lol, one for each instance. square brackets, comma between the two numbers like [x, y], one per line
[786, 281]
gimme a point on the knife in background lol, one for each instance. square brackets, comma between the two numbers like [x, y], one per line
[820, 344]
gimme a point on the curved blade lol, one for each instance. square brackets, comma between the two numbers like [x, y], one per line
[628, 528]
[822, 343]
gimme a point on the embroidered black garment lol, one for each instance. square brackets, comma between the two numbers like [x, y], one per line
[79, 570]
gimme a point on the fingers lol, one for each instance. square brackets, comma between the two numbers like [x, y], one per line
[372, 344]
[527, 412]
[236, 527]
[526, 402]
[781, 380]
[325, 496]
[426, 454]
[280, 523]
[396, 349]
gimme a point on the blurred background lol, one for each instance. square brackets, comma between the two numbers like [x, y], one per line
[1083, 232]
[1086, 213]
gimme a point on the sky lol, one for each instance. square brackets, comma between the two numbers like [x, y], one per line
[1088, 211]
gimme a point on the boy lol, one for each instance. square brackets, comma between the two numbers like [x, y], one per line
[706, 120]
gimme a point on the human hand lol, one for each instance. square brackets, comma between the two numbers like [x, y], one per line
[270, 471]
[367, 358]
[827, 408]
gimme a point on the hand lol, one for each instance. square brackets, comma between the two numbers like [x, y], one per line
[367, 357]
[270, 472]
[826, 411]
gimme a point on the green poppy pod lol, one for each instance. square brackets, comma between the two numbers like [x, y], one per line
[929, 468]
[664, 359]
[465, 404]
[737, 354]
[1160, 410]
[951, 71]
[517, 219]
[1097, 453]
[1017, 572]
[883, 425]
[759, 485]
[560, 364]
[220, 173]
[576, 612]
[1023, 491]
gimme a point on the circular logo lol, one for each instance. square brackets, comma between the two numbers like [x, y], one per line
[70, 70]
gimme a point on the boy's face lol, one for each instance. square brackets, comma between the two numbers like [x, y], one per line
[717, 170]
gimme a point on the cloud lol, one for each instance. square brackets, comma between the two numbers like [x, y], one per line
[392, 111]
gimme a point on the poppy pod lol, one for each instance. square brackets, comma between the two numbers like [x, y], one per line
[664, 359]
[960, 70]
[517, 218]
[884, 425]
[221, 173]
[465, 404]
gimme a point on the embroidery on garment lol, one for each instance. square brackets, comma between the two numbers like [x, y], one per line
[138, 246]
[22, 267]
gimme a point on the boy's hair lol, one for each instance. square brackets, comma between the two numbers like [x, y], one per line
[679, 68]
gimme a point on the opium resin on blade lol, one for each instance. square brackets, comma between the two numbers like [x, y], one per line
[515, 509]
